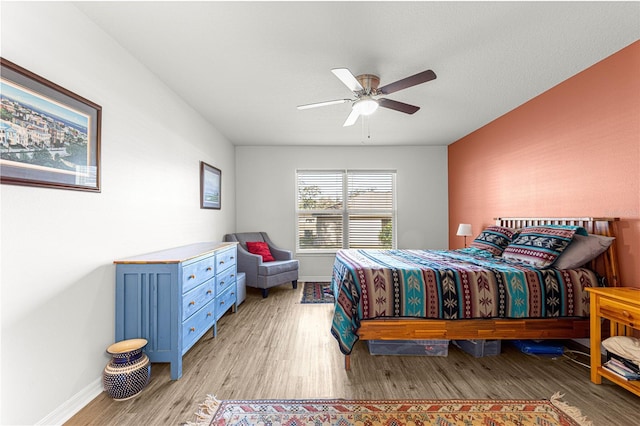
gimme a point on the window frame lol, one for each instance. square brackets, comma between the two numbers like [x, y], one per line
[345, 212]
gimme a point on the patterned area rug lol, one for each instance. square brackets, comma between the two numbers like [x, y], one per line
[553, 412]
[317, 293]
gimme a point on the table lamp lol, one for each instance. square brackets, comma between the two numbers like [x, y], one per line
[464, 230]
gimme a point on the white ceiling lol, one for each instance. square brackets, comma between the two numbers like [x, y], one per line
[245, 66]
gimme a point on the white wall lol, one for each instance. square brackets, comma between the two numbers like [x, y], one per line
[57, 246]
[265, 197]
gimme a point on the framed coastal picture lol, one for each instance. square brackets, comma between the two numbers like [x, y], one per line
[49, 136]
[210, 186]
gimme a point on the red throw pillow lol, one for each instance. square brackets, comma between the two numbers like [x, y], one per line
[261, 248]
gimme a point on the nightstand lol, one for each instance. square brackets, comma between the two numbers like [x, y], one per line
[621, 306]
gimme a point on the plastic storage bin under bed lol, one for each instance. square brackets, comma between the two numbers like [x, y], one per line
[479, 348]
[409, 347]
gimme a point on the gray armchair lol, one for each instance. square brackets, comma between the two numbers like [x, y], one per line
[264, 275]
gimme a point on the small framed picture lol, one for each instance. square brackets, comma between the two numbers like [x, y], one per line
[49, 136]
[210, 186]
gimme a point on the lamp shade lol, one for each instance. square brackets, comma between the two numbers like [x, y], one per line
[365, 105]
[464, 229]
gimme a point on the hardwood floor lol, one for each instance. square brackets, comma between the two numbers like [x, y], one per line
[277, 348]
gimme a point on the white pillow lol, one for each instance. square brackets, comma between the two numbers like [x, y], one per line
[581, 250]
[624, 346]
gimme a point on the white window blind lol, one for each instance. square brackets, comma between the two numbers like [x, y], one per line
[345, 209]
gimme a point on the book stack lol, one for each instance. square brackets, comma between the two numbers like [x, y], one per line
[622, 367]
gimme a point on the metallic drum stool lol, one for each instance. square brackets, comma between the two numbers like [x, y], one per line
[129, 370]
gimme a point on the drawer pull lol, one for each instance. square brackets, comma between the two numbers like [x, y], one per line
[221, 282]
[209, 268]
[208, 314]
[222, 302]
[233, 275]
[232, 293]
[232, 257]
[209, 292]
[191, 276]
[626, 314]
[193, 302]
[192, 329]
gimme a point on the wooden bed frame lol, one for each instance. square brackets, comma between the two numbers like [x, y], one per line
[606, 265]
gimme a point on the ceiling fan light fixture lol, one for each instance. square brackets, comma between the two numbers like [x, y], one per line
[365, 105]
[365, 87]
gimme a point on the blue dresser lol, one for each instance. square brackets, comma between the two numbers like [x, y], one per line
[173, 297]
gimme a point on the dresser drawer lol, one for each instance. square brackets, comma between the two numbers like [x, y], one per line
[224, 301]
[619, 312]
[198, 297]
[169, 297]
[198, 272]
[225, 259]
[194, 327]
[225, 280]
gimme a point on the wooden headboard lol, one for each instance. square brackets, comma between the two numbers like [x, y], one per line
[606, 265]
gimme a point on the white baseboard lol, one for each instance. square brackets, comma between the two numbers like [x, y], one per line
[315, 279]
[70, 407]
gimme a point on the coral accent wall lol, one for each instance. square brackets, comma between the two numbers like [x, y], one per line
[571, 151]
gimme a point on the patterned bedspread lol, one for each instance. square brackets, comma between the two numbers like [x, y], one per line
[448, 284]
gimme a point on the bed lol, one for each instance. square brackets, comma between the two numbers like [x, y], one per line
[502, 287]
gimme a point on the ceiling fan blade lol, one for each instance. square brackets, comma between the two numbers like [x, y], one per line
[352, 118]
[414, 80]
[325, 103]
[348, 79]
[398, 106]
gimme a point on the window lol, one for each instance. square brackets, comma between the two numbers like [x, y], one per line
[345, 209]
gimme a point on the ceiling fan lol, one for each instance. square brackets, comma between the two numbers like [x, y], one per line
[366, 91]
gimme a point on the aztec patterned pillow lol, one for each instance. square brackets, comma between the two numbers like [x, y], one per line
[494, 239]
[540, 246]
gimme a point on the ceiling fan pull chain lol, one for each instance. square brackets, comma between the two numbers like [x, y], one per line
[367, 131]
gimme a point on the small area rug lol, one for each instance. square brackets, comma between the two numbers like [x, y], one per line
[316, 293]
[318, 412]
